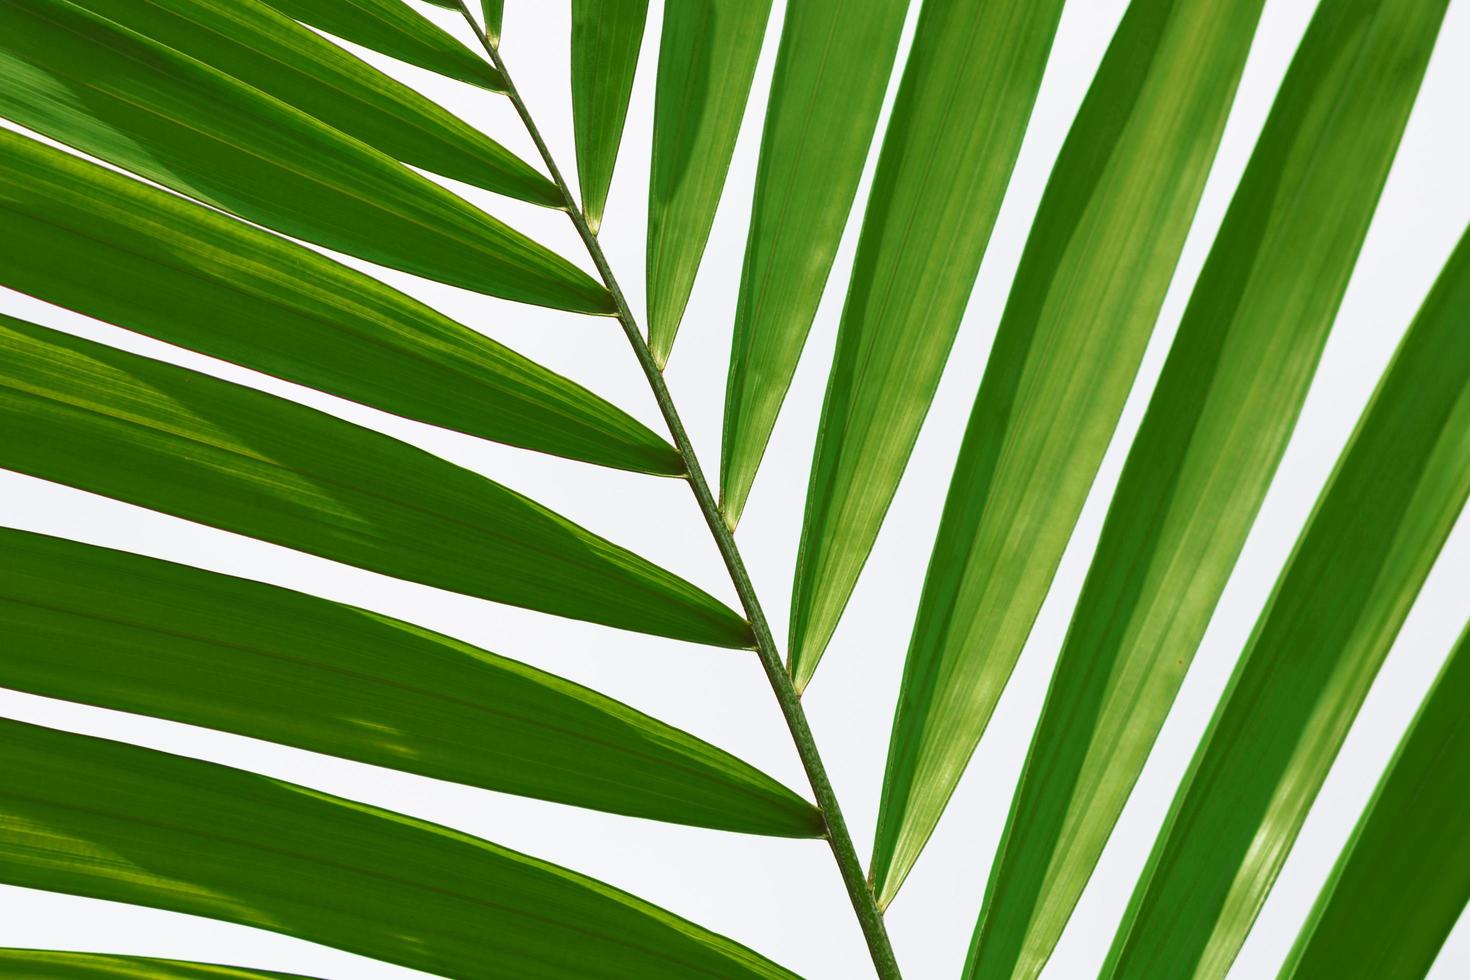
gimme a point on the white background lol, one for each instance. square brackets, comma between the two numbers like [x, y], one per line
[784, 898]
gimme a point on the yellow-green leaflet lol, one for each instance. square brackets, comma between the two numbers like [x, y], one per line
[95, 85]
[606, 38]
[1091, 280]
[1199, 468]
[162, 437]
[86, 816]
[1404, 877]
[186, 274]
[1357, 567]
[706, 61]
[258, 45]
[957, 123]
[831, 72]
[48, 964]
[394, 28]
[136, 634]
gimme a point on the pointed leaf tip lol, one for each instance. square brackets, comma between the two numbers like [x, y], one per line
[162, 437]
[707, 60]
[1092, 278]
[606, 38]
[832, 70]
[101, 819]
[946, 159]
[188, 275]
[130, 633]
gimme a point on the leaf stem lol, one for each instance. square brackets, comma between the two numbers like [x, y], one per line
[863, 903]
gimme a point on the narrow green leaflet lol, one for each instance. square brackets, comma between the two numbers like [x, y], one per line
[159, 436]
[1404, 878]
[831, 72]
[47, 964]
[1356, 570]
[1093, 275]
[957, 123]
[494, 16]
[108, 91]
[90, 817]
[137, 634]
[706, 62]
[1091, 280]
[606, 38]
[188, 275]
[1215, 430]
[394, 28]
[249, 40]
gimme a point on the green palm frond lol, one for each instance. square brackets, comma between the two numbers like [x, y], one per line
[233, 179]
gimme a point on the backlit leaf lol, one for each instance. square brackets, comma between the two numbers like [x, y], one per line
[48, 964]
[606, 38]
[1091, 280]
[1216, 428]
[1357, 567]
[831, 71]
[86, 816]
[205, 450]
[394, 28]
[706, 61]
[188, 275]
[94, 85]
[1404, 877]
[249, 40]
[957, 123]
[137, 634]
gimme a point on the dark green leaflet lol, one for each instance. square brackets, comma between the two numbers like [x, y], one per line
[106, 820]
[47, 964]
[1376, 530]
[251, 41]
[191, 276]
[831, 72]
[1093, 275]
[137, 634]
[706, 61]
[162, 437]
[110, 92]
[394, 28]
[606, 38]
[956, 128]
[1404, 878]
[1216, 427]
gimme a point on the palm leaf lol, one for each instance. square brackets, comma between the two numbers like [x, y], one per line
[1093, 276]
[953, 138]
[136, 634]
[1356, 569]
[1198, 470]
[193, 277]
[46, 964]
[706, 62]
[152, 434]
[90, 817]
[110, 92]
[831, 72]
[254, 43]
[494, 14]
[606, 38]
[394, 28]
[1404, 878]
